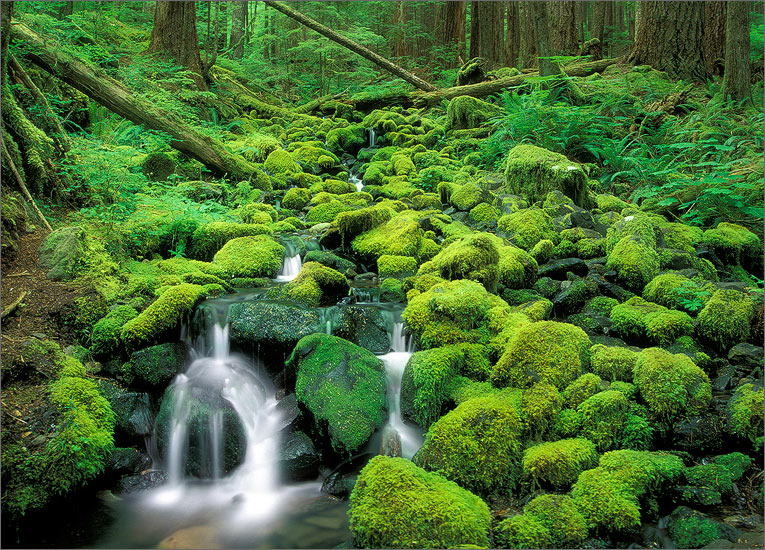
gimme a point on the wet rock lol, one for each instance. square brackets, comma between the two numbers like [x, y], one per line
[720, 543]
[128, 461]
[746, 356]
[135, 416]
[288, 409]
[364, 326]
[724, 377]
[557, 269]
[199, 536]
[298, 458]
[391, 442]
[698, 497]
[573, 295]
[263, 324]
[701, 434]
[368, 276]
[583, 219]
[331, 239]
[609, 288]
[62, 253]
[677, 259]
[739, 521]
[339, 485]
[157, 365]
[654, 537]
[141, 482]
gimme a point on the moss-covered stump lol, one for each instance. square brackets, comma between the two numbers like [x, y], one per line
[343, 386]
[317, 285]
[545, 351]
[395, 504]
[533, 172]
[258, 256]
[476, 445]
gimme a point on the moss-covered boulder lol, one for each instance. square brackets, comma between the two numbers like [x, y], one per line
[671, 385]
[613, 363]
[527, 227]
[516, 268]
[399, 236]
[642, 321]
[676, 291]
[602, 417]
[395, 504]
[156, 365]
[726, 319]
[735, 245]
[473, 257]
[559, 463]
[745, 414]
[62, 253]
[546, 351]
[477, 445]
[635, 261]
[533, 172]
[330, 260]
[364, 326]
[266, 325]
[259, 256]
[209, 238]
[346, 140]
[343, 386]
[105, 336]
[548, 521]
[354, 223]
[296, 198]
[280, 162]
[466, 112]
[467, 196]
[316, 285]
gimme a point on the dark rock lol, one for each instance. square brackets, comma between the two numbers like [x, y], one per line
[461, 217]
[263, 324]
[724, 376]
[583, 219]
[700, 434]
[654, 537]
[339, 485]
[331, 239]
[62, 253]
[128, 461]
[298, 458]
[720, 543]
[677, 259]
[368, 276]
[135, 418]
[557, 269]
[611, 289]
[365, 326]
[450, 211]
[698, 497]
[141, 482]
[573, 296]
[157, 365]
[747, 357]
[289, 410]
[753, 521]
[391, 442]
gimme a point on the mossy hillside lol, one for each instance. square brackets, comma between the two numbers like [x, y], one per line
[533, 172]
[165, 314]
[527, 227]
[317, 285]
[476, 445]
[558, 464]
[395, 504]
[342, 385]
[546, 351]
[259, 256]
[726, 319]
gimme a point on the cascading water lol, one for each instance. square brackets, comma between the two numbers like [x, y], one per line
[291, 266]
[395, 361]
[355, 180]
[372, 137]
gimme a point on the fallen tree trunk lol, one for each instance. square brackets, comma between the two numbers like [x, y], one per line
[108, 92]
[353, 46]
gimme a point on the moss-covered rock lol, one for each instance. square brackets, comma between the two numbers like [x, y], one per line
[365, 326]
[516, 268]
[105, 337]
[400, 236]
[602, 418]
[676, 291]
[354, 223]
[158, 166]
[296, 198]
[476, 445]
[342, 385]
[745, 413]
[155, 365]
[642, 321]
[540, 404]
[692, 529]
[544, 351]
[259, 256]
[63, 252]
[560, 515]
[468, 112]
[526, 228]
[533, 172]
[671, 385]
[329, 259]
[280, 162]
[543, 251]
[346, 140]
[209, 238]
[558, 463]
[726, 319]
[467, 196]
[316, 285]
[634, 261]
[735, 244]
[474, 257]
[613, 363]
[269, 325]
[396, 266]
[581, 389]
[166, 313]
[395, 504]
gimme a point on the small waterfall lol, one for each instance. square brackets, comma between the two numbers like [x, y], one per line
[372, 137]
[355, 180]
[290, 268]
[408, 438]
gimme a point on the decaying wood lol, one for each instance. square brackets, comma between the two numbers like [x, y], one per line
[313, 105]
[377, 59]
[108, 92]
[23, 186]
[14, 306]
[669, 105]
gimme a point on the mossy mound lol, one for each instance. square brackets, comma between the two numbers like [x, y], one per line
[209, 238]
[280, 162]
[155, 365]
[317, 285]
[468, 112]
[395, 504]
[354, 223]
[329, 259]
[527, 227]
[476, 445]
[343, 385]
[399, 236]
[735, 245]
[271, 325]
[636, 262]
[613, 363]
[745, 414]
[533, 172]
[105, 337]
[726, 319]
[296, 198]
[559, 463]
[259, 256]
[543, 351]
[63, 253]
[548, 521]
[474, 257]
[396, 266]
[643, 321]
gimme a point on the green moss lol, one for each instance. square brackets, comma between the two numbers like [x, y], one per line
[544, 351]
[474, 257]
[613, 363]
[317, 285]
[540, 404]
[726, 319]
[691, 529]
[468, 112]
[476, 445]
[536, 310]
[634, 261]
[672, 290]
[543, 251]
[600, 305]
[258, 256]
[105, 338]
[346, 140]
[164, 314]
[343, 385]
[734, 244]
[603, 416]
[526, 228]
[329, 259]
[209, 238]
[581, 389]
[533, 172]
[296, 198]
[326, 212]
[516, 268]
[560, 515]
[745, 413]
[468, 196]
[399, 236]
[158, 166]
[354, 223]
[590, 248]
[559, 463]
[395, 504]
[279, 162]
[610, 203]
[639, 320]
[671, 385]
[396, 266]
[426, 201]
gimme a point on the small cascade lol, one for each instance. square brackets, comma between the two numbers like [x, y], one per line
[397, 434]
[372, 137]
[355, 180]
[290, 268]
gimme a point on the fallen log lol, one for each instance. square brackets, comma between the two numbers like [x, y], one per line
[113, 95]
[23, 186]
[366, 53]
[14, 306]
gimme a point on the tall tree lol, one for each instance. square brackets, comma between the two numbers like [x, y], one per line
[542, 32]
[454, 30]
[714, 36]
[487, 30]
[670, 38]
[598, 21]
[238, 25]
[563, 28]
[736, 78]
[512, 35]
[175, 36]
[527, 56]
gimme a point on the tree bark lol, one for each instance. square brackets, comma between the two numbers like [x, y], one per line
[474, 31]
[353, 46]
[117, 98]
[670, 38]
[174, 35]
[714, 36]
[399, 20]
[238, 24]
[542, 32]
[528, 44]
[598, 23]
[736, 78]
[454, 31]
[512, 36]
[563, 29]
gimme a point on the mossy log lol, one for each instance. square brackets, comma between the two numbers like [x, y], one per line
[121, 100]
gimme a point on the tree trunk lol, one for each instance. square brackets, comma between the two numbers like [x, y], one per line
[670, 38]
[474, 31]
[175, 35]
[454, 31]
[528, 44]
[598, 23]
[542, 32]
[563, 29]
[512, 36]
[581, 18]
[608, 29]
[353, 46]
[238, 24]
[115, 97]
[714, 36]
[736, 79]
[399, 20]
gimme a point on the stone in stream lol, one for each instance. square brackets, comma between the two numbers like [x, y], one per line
[557, 269]
[746, 356]
[199, 536]
[267, 324]
[156, 365]
[391, 442]
[365, 327]
[141, 482]
[298, 458]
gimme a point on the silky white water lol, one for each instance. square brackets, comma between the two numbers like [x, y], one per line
[291, 267]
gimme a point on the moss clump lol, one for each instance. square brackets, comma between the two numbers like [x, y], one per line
[158, 166]
[258, 256]
[559, 514]
[396, 266]
[734, 244]
[559, 463]
[610, 203]
[745, 413]
[354, 223]
[691, 529]
[209, 238]
[329, 259]
[516, 268]
[346, 140]
[105, 338]
[484, 214]
[296, 198]
[602, 418]
[671, 385]
[474, 257]
[613, 363]
[533, 172]
[468, 196]
[545, 351]
[726, 319]
[476, 445]
[399, 236]
[317, 285]
[164, 314]
[343, 385]
[395, 504]
[468, 112]
[673, 290]
[641, 321]
[543, 251]
[540, 404]
[522, 531]
[635, 262]
[581, 389]
[526, 228]
[600, 305]
[279, 162]
[326, 212]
